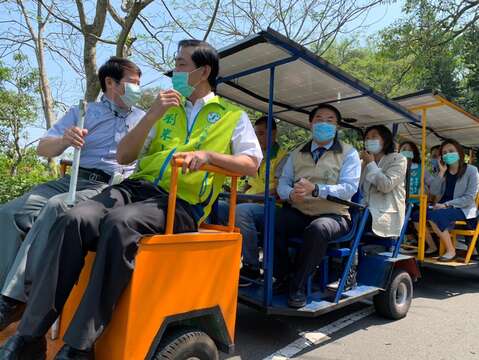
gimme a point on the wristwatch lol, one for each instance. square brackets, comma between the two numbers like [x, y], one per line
[315, 192]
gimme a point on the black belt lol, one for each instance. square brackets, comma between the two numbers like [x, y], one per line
[93, 175]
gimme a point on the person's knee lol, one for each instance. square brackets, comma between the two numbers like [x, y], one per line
[56, 204]
[9, 209]
[243, 214]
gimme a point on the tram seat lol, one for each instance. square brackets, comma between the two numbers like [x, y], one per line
[464, 228]
[350, 242]
[392, 243]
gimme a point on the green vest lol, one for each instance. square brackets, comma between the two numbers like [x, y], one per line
[211, 130]
[257, 183]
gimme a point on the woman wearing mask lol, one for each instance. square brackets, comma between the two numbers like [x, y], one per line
[411, 152]
[456, 187]
[382, 181]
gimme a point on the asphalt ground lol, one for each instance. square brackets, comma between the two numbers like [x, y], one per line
[442, 323]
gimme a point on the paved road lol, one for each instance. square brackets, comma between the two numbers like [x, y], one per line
[443, 323]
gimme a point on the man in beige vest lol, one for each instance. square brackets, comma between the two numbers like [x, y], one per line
[323, 166]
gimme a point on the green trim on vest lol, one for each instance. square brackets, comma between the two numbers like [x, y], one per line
[257, 183]
[211, 130]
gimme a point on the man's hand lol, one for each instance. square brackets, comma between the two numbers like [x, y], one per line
[366, 157]
[193, 160]
[304, 187]
[296, 197]
[164, 100]
[439, 206]
[74, 137]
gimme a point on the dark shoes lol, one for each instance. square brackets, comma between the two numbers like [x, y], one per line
[69, 353]
[247, 274]
[297, 298]
[350, 281]
[10, 311]
[20, 347]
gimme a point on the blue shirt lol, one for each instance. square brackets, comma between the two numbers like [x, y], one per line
[348, 183]
[107, 124]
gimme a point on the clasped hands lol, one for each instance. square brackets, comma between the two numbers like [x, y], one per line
[301, 189]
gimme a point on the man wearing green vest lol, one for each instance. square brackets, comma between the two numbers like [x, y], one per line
[190, 123]
[323, 166]
[250, 216]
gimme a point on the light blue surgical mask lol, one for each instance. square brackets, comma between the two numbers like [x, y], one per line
[323, 131]
[373, 146]
[181, 83]
[132, 94]
[451, 158]
[408, 154]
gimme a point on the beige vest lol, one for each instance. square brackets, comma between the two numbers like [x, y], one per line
[325, 171]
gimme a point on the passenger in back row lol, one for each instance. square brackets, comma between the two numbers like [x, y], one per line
[411, 152]
[250, 216]
[456, 185]
[382, 181]
[323, 166]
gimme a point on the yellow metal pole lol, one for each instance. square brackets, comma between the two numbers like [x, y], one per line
[422, 193]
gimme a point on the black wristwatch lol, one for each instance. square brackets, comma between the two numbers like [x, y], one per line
[315, 192]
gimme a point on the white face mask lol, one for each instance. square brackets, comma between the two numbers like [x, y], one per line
[373, 146]
[132, 94]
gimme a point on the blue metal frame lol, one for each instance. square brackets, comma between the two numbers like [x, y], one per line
[403, 231]
[268, 242]
[256, 70]
[269, 208]
[354, 249]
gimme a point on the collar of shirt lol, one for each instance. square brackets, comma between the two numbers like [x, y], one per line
[114, 108]
[192, 110]
[315, 146]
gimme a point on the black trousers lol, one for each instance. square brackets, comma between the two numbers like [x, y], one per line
[316, 231]
[111, 223]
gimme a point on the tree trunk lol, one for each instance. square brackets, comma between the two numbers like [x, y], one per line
[89, 61]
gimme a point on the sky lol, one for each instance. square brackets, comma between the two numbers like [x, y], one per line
[68, 86]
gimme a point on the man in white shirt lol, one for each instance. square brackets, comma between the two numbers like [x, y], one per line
[213, 132]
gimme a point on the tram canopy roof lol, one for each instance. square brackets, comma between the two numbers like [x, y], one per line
[444, 119]
[302, 81]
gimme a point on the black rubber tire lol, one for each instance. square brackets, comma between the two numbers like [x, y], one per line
[395, 301]
[184, 344]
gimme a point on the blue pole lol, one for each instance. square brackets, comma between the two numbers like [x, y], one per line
[395, 129]
[268, 208]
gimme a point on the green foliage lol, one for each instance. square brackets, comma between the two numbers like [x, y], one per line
[18, 108]
[30, 172]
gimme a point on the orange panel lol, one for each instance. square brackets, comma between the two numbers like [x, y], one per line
[173, 274]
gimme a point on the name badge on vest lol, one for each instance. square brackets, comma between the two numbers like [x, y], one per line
[213, 117]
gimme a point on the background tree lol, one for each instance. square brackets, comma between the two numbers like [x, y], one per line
[17, 109]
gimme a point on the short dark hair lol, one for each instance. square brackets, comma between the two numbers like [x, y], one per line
[264, 120]
[204, 54]
[386, 135]
[460, 151]
[415, 150]
[115, 68]
[313, 112]
[435, 147]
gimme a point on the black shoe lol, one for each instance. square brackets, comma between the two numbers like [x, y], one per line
[11, 311]
[69, 353]
[280, 286]
[297, 298]
[351, 280]
[247, 274]
[20, 347]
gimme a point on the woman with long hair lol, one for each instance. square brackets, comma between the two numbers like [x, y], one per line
[456, 186]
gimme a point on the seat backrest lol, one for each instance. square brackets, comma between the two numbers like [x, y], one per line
[355, 218]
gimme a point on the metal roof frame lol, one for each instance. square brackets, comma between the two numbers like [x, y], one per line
[298, 52]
